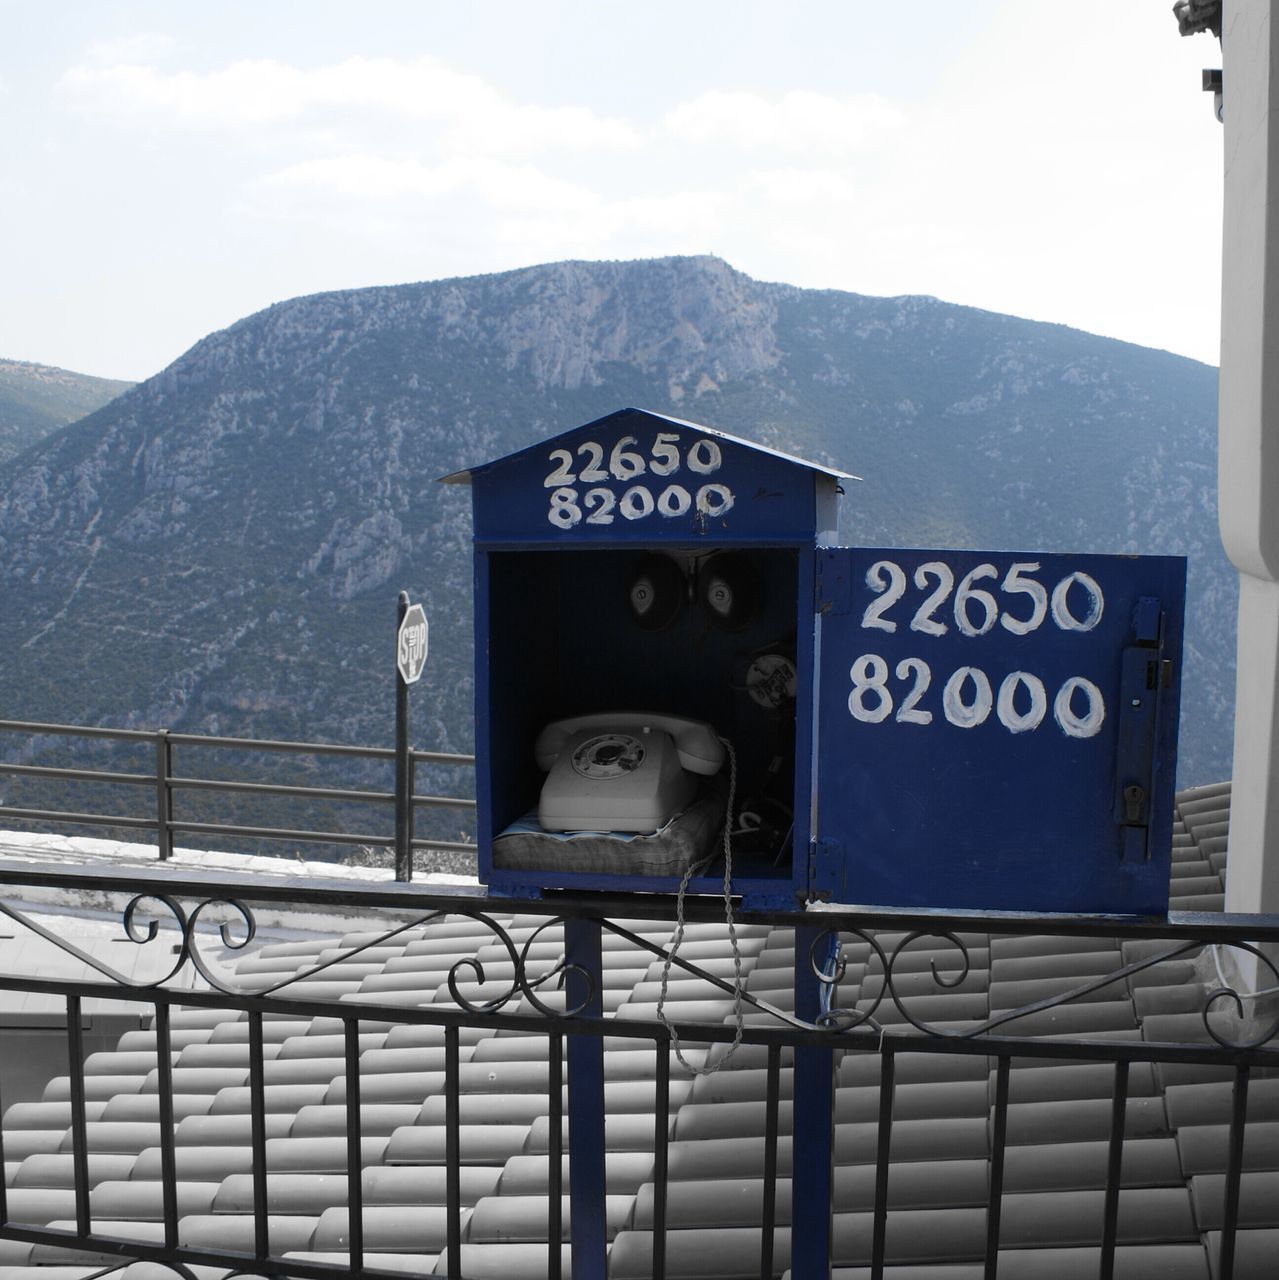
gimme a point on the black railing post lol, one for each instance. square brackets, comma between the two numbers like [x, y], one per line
[163, 795]
[403, 766]
[555, 1157]
[772, 1100]
[79, 1115]
[998, 1145]
[412, 816]
[165, 1108]
[1234, 1174]
[453, 1151]
[1114, 1172]
[883, 1156]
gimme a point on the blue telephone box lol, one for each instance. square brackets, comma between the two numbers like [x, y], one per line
[663, 625]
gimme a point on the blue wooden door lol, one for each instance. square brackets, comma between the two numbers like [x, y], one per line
[997, 730]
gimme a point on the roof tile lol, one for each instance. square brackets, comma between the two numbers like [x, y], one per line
[319, 1155]
[1132, 1262]
[388, 1229]
[1073, 1166]
[143, 1201]
[1258, 1199]
[1194, 1104]
[1255, 1251]
[237, 1231]
[1204, 1148]
[625, 1171]
[1147, 1215]
[486, 1144]
[280, 1100]
[504, 1261]
[58, 1170]
[220, 1130]
[377, 1119]
[146, 1106]
[524, 1218]
[1082, 1120]
[199, 1164]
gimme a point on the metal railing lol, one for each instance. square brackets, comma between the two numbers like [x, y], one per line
[521, 999]
[166, 784]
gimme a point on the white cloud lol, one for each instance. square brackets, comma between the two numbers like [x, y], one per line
[471, 114]
[478, 205]
[371, 180]
[798, 122]
[139, 47]
[245, 93]
[800, 190]
[1037, 166]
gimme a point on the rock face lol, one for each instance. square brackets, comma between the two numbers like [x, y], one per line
[220, 548]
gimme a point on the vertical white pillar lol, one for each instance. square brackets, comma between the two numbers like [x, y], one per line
[1249, 438]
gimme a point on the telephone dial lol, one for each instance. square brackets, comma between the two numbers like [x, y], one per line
[622, 771]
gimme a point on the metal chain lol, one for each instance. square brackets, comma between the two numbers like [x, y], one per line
[689, 871]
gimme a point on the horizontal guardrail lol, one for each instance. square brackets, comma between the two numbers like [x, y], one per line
[166, 784]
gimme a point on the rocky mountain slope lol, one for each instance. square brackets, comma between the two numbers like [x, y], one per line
[35, 399]
[220, 548]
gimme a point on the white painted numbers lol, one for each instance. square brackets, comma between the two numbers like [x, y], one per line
[975, 610]
[606, 499]
[981, 600]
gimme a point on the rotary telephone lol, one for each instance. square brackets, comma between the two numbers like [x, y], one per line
[622, 771]
[633, 771]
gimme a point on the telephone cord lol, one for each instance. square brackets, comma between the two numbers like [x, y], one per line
[1225, 982]
[689, 871]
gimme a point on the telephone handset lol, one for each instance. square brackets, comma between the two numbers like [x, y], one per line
[622, 770]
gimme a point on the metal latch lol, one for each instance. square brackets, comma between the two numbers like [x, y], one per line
[1143, 675]
[1134, 804]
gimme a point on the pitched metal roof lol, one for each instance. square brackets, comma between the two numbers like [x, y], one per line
[466, 476]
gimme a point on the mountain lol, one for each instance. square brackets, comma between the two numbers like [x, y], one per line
[219, 549]
[35, 399]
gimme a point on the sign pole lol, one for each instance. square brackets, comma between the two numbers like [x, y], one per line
[411, 633]
[403, 800]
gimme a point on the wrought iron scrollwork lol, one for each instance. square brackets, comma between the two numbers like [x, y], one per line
[521, 982]
[142, 926]
[135, 933]
[829, 966]
[1225, 992]
[524, 980]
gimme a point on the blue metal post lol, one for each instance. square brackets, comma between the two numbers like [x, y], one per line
[812, 1153]
[585, 1054]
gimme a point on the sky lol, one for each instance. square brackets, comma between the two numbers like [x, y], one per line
[166, 169]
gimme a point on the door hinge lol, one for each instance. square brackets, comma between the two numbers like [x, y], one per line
[833, 588]
[825, 869]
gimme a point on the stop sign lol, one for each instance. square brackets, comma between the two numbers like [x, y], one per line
[410, 645]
